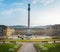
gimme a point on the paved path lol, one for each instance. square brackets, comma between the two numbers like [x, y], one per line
[27, 47]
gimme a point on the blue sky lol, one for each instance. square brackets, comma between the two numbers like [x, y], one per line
[43, 12]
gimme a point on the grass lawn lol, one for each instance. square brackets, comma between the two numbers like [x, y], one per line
[48, 47]
[9, 47]
[30, 40]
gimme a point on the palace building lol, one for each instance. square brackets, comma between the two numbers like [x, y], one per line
[5, 31]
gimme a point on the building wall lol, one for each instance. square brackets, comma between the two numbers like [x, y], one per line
[52, 30]
[21, 32]
[56, 30]
[6, 31]
[3, 30]
[10, 31]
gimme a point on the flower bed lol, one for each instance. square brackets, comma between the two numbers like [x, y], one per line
[9, 47]
[48, 47]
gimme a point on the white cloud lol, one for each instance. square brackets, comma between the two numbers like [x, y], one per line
[45, 2]
[12, 11]
[18, 4]
[14, 16]
[35, 1]
[48, 2]
[7, 12]
[44, 17]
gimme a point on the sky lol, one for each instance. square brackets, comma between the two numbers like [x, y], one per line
[43, 12]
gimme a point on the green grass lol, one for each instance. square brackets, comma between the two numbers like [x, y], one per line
[7, 47]
[32, 40]
[48, 47]
[53, 47]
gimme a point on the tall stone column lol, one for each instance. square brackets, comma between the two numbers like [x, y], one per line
[28, 16]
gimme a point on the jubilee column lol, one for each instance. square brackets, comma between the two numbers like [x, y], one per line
[28, 16]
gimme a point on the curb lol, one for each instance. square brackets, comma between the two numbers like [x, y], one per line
[36, 48]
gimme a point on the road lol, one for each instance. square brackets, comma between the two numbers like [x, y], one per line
[27, 47]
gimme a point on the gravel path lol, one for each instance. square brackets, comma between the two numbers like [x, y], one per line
[27, 47]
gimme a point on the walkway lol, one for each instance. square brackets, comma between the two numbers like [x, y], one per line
[27, 47]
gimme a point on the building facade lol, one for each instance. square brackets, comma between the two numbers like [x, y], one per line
[10, 32]
[3, 31]
[51, 30]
